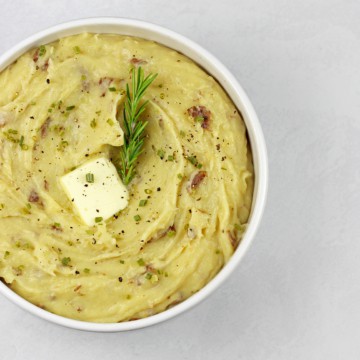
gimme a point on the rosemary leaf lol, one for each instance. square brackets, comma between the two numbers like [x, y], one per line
[133, 126]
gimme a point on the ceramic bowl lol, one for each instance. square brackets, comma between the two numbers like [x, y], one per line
[237, 94]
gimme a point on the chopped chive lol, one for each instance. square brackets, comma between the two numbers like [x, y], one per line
[42, 50]
[171, 233]
[86, 270]
[170, 158]
[77, 50]
[179, 176]
[162, 96]
[93, 123]
[142, 202]
[57, 225]
[7, 253]
[182, 133]
[50, 110]
[199, 119]
[193, 160]
[122, 261]
[148, 276]
[69, 108]
[90, 177]
[161, 153]
[141, 262]
[137, 217]
[63, 145]
[21, 143]
[112, 89]
[110, 122]
[65, 261]
[98, 219]
[12, 131]
[28, 206]
[83, 77]
[148, 191]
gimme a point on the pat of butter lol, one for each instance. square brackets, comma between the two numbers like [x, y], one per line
[98, 200]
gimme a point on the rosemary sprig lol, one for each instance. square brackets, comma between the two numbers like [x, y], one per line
[133, 126]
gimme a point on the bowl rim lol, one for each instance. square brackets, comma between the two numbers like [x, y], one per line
[150, 31]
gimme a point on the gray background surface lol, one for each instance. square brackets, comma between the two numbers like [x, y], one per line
[296, 295]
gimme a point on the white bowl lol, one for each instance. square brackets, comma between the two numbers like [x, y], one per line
[229, 83]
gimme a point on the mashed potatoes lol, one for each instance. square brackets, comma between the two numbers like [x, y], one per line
[60, 106]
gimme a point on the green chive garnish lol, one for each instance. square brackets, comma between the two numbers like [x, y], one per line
[161, 153]
[98, 219]
[142, 202]
[141, 262]
[93, 123]
[137, 217]
[90, 178]
[65, 261]
[42, 50]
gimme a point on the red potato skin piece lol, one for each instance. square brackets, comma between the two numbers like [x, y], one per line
[202, 111]
[55, 228]
[105, 82]
[36, 55]
[198, 178]
[44, 128]
[34, 197]
[137, 62]
[233, 240]
[161, 235]
[45, 66]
